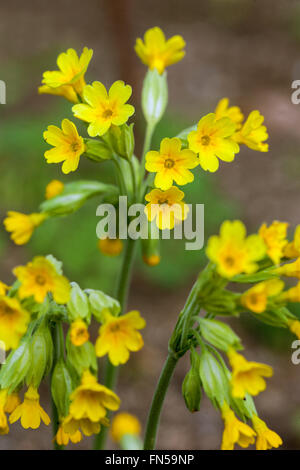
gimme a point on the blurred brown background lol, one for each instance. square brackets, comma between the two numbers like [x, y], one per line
[248, 50]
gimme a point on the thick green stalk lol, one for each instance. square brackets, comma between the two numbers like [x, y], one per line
[149, 132]
[58, 349]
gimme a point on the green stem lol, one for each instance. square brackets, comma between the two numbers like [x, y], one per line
[147, 142]
[157, 402]
[58, 352]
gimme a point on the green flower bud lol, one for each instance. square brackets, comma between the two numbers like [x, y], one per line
[96, 150]
[41, 352]
[78, 305]
[191, 386]
[61, 387]
[99, 302]
[154, 96]
[17, 365]
[219, 334]
[121, 140]
[214, 379]
[81, 357]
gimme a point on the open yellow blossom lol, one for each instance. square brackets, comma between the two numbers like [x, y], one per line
[124, 423]
[72, 426]
[253, 133]
[12, 401]
[256, 298]
[157, 52]
[3, 288]
[38, 278]
[274, 237]
[79, 333]
[53, 189]
[247, 377]
[67, 143]
[104, 109]
[30, 411]
[63, 438]
[292, 249]
[119, 335]
[90, 400]
[266, 438]
[68, 81]
[4, 429]
[13, 322]
[213, 140]
[233, 112]
[171, 164]
[289, 269]
[110, 246]
[233, 252]
[166, 207]
[22, 226]
[294, 326]
[235, 432]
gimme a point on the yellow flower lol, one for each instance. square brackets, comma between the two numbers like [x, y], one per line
[124, 423]
[166, 207]
[235, 432]
[63, 438]
[292, 294]
[294, 326]
[30, 412]
[90, 400]
[274, 237]
[171, 164]
[110, 247]
[22, 226]
[3, 288]
[38, 278]
[233, 252]
[13, 322]
[292, 249]
[119, 335]
[53, 189]
[247, 377]
[256, 298]
[213, 140]
[4, 429]
[12, 401]
[157, 52]
[233, 112]
[266, 438]
[104, 109]
[69, 79]
[253, 133]
[289, 269]
[72, 426]
[67, 143]
[79, 333]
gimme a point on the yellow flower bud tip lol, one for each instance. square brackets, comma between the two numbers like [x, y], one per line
[30, 412]
[22, 226]
[294, 326]
[275, 240]
[289, 269]
[233, 112]
[166, 207]
[118, 336]
[235, 431]
[53, 189]
[234, 252]
[110, 246]
[253, 133]
[266, 438]
[124, 423]
[38, 278]
[79, 333]
[152, 260]
[247, 377]
[14, 320]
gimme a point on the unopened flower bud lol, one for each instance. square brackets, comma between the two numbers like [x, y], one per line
[219, 334]
[78, 305]
[191, 386]
[61, 387]
[154, 96]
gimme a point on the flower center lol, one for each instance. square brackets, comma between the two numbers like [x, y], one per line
[8, 310]
[115, 327]
[229, 261]
[205, 140]
[253, 299]
[74, 146]
[169, 163]
[107, 114]
[40, 280]
[162, 201]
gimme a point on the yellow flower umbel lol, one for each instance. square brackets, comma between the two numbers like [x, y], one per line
[256, 298]
[63, 438]
[233, 252]
[247, 377]
[119, 335]
[22, 226]
[233, 112]
[171, 164]
[110, 246]
[292, 249]
[253, 133]
[124, 423]
[266, 438]
[213, 140]
[79, 333]
[67, 143]
[68, 81]
[235, 432]
[3, 288]
[274, 237]
[13, 322]
[4, 429]
[53, 189]
[104, 109]
[166, 207]
[38, 278]
[157, 52]
[30, 412]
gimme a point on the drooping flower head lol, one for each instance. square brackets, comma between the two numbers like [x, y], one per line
[110, 246]
[124, 423]
[266, 438]
[166, 207]
[104, 109]
[233, 112]
[119, 335]
[63, 438]
[30, 411]
[289, 269]
[292, 249]
[234, 252]
[72, 426]
[157, 52]
[38, 278]
[12, 401]
[274, 237]
[171, 164]
[213, 140]
[235, 432]
[67, 143]
[253, 133]
[79, 333]
[53, 189]
[4, 429]
[294, 326]
[14, 320]
[22, 226]
[256, 298]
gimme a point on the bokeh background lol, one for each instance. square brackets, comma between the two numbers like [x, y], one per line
[247, 50]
